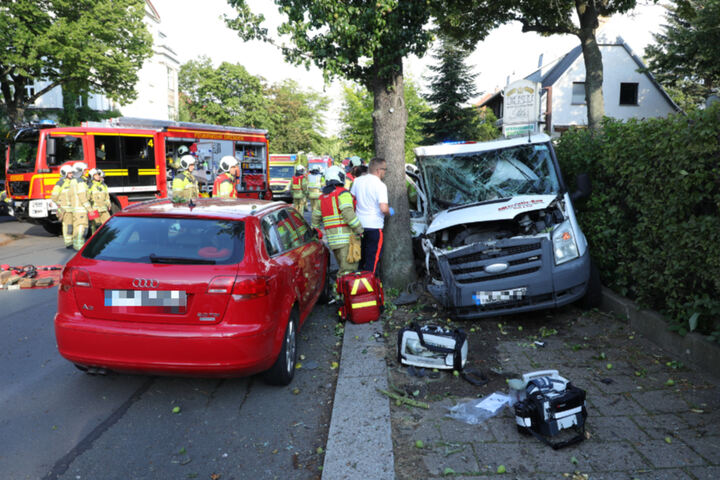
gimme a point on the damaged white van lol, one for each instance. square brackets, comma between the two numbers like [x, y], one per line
[496, 227]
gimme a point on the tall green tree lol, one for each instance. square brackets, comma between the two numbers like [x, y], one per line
[356, 118]
[96, 45]
[686, 56]
[296, 118]
[573, 17]
[451, 87]
[226, 95]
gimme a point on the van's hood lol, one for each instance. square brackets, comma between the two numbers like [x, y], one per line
[498, 210]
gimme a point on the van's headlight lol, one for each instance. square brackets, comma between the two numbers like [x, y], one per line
[564, 244]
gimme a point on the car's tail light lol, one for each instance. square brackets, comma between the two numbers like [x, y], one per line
[250, 286]
[221, 285]
[80, 278]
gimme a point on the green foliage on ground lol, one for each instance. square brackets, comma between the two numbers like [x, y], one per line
[653, 219]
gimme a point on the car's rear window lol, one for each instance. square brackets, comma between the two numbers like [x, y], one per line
[169, 241]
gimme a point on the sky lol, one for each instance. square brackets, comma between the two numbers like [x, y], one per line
[506, 53]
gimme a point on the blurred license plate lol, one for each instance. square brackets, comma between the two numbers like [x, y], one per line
[501, 296]
[169, 301]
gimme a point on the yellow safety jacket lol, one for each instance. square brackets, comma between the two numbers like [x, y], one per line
[184, 187]
[100, 196]
[315, 183]
[79, 196]
[337, 213]
[61, 195]
[299, 186]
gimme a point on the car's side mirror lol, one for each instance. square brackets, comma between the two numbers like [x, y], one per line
[584, 187]
[51, 146]
[319, 233]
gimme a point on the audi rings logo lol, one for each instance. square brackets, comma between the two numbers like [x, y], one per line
[145, 283]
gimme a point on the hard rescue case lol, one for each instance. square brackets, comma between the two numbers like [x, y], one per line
[363, 298]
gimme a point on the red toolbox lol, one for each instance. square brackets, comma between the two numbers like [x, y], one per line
[363, 297]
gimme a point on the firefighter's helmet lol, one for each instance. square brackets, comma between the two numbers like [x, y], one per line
[65, 169]
[96, 171]
[336, 174]
[80, 167]
[182, 150]
[355, 161]
[299, 169]
[226, 163]
[186, 161]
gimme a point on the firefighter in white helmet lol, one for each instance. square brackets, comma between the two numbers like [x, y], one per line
[62, 197]
[80, 204]
[299, 189]
[99, 199]
[185, 185]
[225, 185]
[336, 213]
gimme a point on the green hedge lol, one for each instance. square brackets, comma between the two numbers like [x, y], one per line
[653, 219]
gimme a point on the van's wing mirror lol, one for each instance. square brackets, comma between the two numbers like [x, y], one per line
[584, 187]
[51, 146]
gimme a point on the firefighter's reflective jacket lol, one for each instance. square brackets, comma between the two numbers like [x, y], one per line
[299, 186]
[184, 187]
[79, 196]
[224, 186]
[337, 215]
[62, 196]
[100, 197]
[315, 183]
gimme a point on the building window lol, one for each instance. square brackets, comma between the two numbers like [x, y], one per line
[79, 102]
[628, 94]
[578, 93]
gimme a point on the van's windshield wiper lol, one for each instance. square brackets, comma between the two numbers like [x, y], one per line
[475, 204]
[187, 261]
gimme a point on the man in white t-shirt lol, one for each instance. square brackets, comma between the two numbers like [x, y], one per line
[372, 208]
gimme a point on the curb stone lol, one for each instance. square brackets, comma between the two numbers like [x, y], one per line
[693, 347]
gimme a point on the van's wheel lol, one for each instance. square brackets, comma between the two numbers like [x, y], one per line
[53, 228]
[283, 370]
[327, 294]
[593, 296]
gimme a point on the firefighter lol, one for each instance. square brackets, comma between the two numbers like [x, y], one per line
[226, 181]
[336, 213]
[315, 184]
[299, 189]
[80, 205]
[99, 200]
[351, 170]
[185, 185]
[61, 196]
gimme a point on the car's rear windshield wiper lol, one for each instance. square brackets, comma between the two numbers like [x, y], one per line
[187, 261]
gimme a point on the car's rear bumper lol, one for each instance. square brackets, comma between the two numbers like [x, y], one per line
[198, 350]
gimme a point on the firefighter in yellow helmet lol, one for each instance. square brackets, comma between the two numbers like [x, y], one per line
[336, 213]
[185, 185]
[299, 189]
[80, 205]
[62, 197]
[99, 200]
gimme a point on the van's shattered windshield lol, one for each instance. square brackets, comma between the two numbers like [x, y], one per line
[460, 179]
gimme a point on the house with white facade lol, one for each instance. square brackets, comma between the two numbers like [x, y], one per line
[157, 85]
[627, 92]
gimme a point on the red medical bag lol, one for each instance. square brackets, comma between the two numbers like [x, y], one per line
[363, 297]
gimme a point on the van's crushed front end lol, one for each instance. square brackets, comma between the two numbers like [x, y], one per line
[502, 235]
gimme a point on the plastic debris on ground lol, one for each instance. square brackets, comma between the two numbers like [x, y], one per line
[477, 411]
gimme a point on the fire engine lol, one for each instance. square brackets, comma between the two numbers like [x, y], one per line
[137, 156]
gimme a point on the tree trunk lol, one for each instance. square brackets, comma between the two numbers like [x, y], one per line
[588, 16]
[389, 122]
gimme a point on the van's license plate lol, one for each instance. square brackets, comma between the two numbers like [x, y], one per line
[501, 296]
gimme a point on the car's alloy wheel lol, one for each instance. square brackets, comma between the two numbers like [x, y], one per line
[283, 370]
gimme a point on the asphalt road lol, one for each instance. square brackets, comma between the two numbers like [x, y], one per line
[59, 423]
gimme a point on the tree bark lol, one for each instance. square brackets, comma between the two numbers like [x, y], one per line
[389, 122]
[592, 56]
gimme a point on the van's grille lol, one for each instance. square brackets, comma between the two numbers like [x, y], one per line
[19, 188]
[521, 259]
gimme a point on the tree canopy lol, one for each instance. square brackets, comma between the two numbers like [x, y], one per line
[686, 56]
[95, 45]
[296, 118]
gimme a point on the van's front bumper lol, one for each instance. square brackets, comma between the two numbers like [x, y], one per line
[530, 269]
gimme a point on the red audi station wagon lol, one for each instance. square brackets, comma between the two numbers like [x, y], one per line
[219, 287]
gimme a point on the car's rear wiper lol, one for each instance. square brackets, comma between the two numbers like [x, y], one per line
[187, 261]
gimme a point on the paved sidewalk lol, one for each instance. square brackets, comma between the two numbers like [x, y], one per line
[649, 416]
